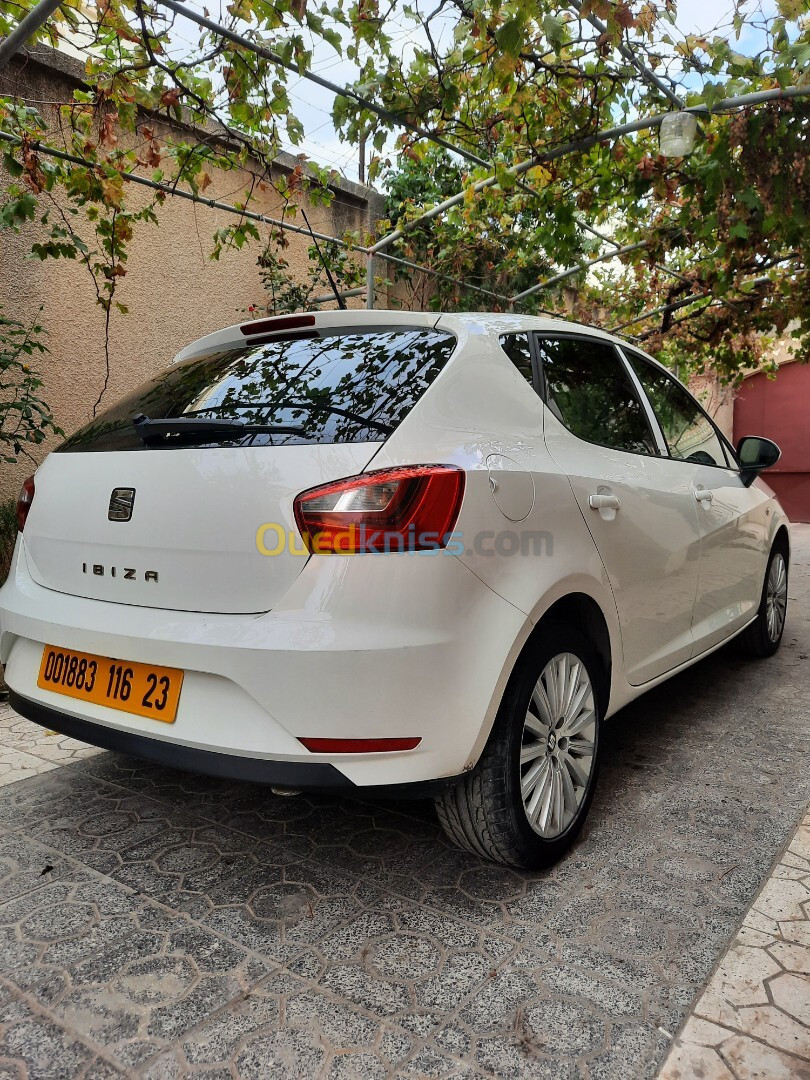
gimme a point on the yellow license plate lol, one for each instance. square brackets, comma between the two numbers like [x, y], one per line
[142, 689]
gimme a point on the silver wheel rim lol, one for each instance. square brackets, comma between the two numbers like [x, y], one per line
[776, 597]
[557, 751]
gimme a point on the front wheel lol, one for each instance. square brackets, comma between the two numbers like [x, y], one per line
[764, 636]
[528, 796]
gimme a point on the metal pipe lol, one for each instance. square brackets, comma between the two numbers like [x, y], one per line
[605, 135]
[549, 282]
[646, 73]
[437, 273]
[370, 281]
[26, 28]
[180, 193]
[239, 39]
[330, 297]
[615, 243]
[335, 88]
[214, 27]
[684, 301]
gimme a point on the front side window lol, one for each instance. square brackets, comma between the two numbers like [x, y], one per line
[589, 390]
[348, 386]
[688, 432]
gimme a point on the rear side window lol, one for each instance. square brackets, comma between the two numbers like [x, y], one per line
[331, 388]
[588, 389]
[518, 349]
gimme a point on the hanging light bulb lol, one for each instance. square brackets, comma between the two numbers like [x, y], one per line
[676, 135]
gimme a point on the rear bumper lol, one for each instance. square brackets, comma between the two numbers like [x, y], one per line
[295, 775]
[292, 774]
[363, 647]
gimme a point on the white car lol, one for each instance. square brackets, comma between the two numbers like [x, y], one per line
[423, 553]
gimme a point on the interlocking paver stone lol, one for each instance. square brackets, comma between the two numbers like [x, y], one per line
[753, 1019]
[155, 924]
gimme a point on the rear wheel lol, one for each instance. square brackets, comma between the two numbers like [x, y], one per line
[764, 636]
[528, 796]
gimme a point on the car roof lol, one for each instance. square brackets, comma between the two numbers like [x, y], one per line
[465, 322]
[507, 322]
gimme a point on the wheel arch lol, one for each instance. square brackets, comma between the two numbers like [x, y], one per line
[582, 611]
[579, 602]
[782, 541]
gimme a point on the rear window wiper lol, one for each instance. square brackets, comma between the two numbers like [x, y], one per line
[358, 418]
[309, 406]
[193, 427]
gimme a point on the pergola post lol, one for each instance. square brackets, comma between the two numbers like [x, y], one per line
[370, 281]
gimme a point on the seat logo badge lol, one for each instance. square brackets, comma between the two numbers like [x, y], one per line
[121, 502]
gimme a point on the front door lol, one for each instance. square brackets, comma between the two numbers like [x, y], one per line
[732, 517]
[639, 505]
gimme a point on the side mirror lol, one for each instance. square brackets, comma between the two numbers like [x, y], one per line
[755, 454]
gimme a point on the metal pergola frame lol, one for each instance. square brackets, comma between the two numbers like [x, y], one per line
[385, 114]
[168, 188]
[40, 13]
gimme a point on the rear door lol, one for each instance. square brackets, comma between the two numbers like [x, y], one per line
[638, 504]
[174, 511]
[732, 517]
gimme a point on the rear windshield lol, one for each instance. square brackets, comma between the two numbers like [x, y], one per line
[352, 386]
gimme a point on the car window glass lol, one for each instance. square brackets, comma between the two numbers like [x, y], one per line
[352, 385]
[518, 349]
[688, 432]
[589, 390]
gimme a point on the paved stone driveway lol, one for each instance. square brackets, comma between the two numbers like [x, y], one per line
[753, 1018]
[156, 924]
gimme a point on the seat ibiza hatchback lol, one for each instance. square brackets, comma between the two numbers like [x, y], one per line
[381, 550]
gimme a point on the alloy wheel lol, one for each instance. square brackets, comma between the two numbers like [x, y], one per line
[776, 597]
[557, 751]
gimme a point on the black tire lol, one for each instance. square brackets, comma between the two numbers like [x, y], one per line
[756, 641]
[484, 812]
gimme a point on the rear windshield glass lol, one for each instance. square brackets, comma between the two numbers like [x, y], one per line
[316, 388]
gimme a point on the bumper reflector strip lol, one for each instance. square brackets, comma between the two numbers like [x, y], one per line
[358, 746]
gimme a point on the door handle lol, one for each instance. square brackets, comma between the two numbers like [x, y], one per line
[702, 495]
[604, 502]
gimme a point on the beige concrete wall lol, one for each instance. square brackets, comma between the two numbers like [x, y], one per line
[173, 290]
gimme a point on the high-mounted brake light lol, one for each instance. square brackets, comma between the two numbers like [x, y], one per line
[411, 508]
[24, 502]
[281, 322]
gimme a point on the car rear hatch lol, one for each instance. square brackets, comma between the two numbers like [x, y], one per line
[181, 495]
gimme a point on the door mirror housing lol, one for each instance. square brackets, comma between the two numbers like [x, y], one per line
[756, 453]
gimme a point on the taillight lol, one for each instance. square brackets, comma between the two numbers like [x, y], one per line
[24, 502]
[412, 508]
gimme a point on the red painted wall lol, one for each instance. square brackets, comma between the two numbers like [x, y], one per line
[780, 409]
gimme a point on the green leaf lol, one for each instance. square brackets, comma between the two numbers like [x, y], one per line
[11, 165]
[554, 27]
[510, 37]
[333, 38]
